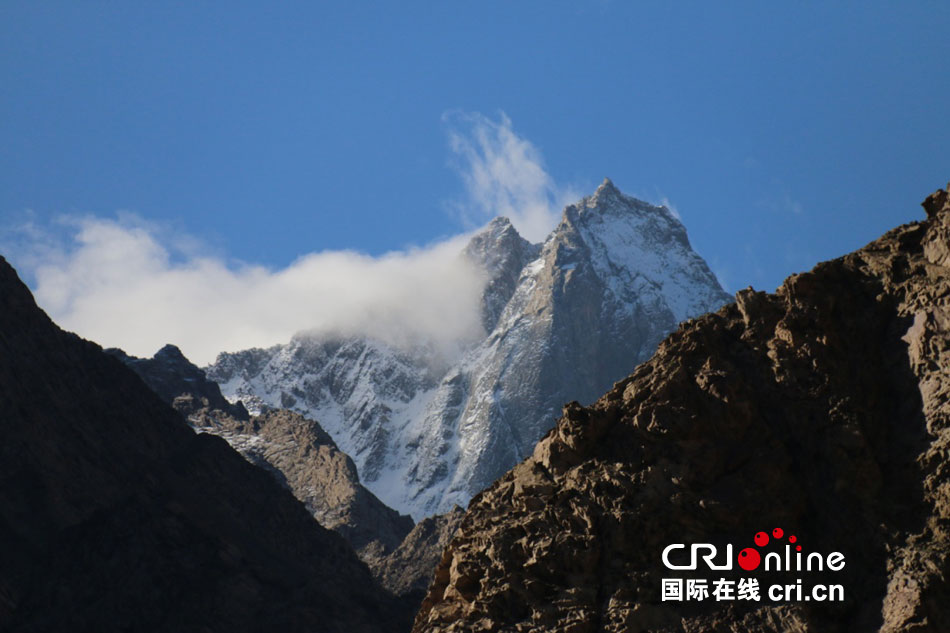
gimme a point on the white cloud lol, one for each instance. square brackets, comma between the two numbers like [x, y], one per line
[120, 284]
[503, 175]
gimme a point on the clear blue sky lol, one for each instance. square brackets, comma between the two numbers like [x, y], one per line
[784, 133]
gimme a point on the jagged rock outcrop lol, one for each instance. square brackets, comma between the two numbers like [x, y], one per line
[294, 449]
[502, 253]
[306, 460]
[563, 320]
[407, 571]
[171, 375]
[823, 408]
[115, 516]
[303, 457]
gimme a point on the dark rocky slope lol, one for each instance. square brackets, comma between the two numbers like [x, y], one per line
[407, 571]
[115, 516]
[294, 449]
[305, 459]
[171, 375]
[302, 457]
[823, 408]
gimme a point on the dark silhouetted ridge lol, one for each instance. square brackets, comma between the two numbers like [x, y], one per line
[115, 516]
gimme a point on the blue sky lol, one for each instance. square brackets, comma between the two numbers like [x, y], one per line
[782, 134]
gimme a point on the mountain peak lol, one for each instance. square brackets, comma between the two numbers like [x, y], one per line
[607, 201]
[170, 374]
[500, 229]
[606, 192]
[493, 240]
[170, 352]
[501, 252]
[607, 186]
[561, 321]
[637, 249]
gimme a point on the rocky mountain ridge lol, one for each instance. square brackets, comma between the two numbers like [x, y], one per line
[408, 571]
[169, 374]
[563, 320]
[296, 450]
[116, 516]
[303, 458]
[822, 410]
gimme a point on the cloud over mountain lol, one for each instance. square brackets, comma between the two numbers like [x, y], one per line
[119, 283]
[504, 175]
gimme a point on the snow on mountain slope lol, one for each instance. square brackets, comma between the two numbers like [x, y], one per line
[362, 391]
[563, 319]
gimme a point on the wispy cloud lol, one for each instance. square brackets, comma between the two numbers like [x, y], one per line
[503, 174]
[664, 201]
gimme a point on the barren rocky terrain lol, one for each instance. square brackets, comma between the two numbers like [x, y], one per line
[823, 408]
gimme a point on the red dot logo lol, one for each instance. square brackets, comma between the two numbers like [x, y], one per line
[778, 533]
[749, 559]
[792, 538]
[798, 547]
[761, 539]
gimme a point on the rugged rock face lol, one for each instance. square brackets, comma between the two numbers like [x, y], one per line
[502, 253]
[170, 375]
[563, 319]
[822, 409]
[305, 459]
[407, 572]
[115, 516]
[294, 449]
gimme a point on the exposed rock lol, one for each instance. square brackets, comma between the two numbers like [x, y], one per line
[407, 572]
[115, 516]
[823, 408]
[305, 459]
[294, 449]
[502, 253]
[301, 455]
[170, 375]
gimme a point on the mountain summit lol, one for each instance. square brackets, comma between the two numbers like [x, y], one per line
[564, 319]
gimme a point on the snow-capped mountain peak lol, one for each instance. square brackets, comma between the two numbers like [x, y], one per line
[639, 250]
[562, 321]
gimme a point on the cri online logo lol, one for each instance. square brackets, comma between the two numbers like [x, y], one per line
[750, 558]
